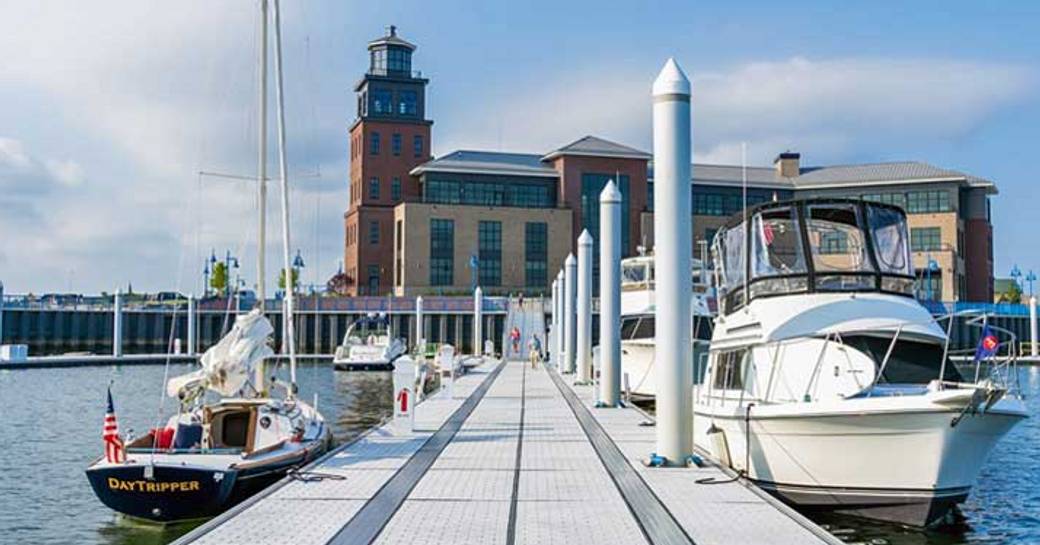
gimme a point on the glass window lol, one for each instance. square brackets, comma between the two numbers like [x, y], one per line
[732, 246]
[373, 188]
[729, 372]
[836, 239]
[395, 144]
[399, 60]
[536, 258]
[897, 199]
[929, 285]
[395, 189]
[926, 239]
[924, 202]
[373, 279]
[381, 101]
[490, 249]
[374, 143]
[888, 229]
[407, 103]
[442, 252]
[378, 61]
[520, 193]
[417, 145]
[777, 244]
[373, 232]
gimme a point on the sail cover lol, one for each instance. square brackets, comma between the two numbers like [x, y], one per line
[227, 365]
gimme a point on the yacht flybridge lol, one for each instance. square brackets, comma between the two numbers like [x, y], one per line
[369, 345]
[638, 322]
[828, 384]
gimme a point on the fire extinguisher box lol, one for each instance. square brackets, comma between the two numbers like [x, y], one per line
[404, 394]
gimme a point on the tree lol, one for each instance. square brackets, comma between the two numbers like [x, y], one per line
[338, 284]
[1013, 294]
[295, 279]
[219, 279]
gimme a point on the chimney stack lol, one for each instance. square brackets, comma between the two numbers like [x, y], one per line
[787, 164]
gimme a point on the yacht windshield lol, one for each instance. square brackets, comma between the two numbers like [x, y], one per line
[814, 245]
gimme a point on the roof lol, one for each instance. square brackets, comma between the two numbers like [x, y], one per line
[866, 174]
[391, 38]
[593, 146]
[488, 162]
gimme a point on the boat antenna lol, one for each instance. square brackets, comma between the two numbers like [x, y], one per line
[747, 238]
[290, 329]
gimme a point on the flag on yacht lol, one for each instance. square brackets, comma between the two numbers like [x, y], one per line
[114, 452]
[988, 344]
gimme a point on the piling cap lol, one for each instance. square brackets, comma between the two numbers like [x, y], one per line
[418, 299]
[584, 239]
[478, 292]
[610, 193]
[672, 80]
[570, 261]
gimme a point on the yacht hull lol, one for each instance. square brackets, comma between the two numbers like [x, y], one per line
[897, 464]
[637, 363]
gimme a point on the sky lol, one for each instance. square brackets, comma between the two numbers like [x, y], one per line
[109, 110]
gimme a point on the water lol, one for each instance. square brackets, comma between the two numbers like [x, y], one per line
[52, 431]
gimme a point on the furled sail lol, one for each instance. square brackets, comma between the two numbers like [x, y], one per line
[227, 365]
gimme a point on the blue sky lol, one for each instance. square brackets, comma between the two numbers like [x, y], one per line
[108, 111]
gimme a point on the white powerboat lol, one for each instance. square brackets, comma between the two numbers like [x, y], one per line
[369, 345]
[637, 323]
[828, 384]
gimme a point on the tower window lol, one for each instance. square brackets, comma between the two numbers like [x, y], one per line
[407, 103]
[399, 60]
[373, 232]
[382, 102]
[417, 145]
[395, 144]
[374, 143]
[395, 189]
[373, 188]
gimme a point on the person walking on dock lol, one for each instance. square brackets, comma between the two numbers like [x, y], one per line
[514, 335]
[534, 351]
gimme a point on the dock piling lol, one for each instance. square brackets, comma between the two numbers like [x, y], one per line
[584, 296]
[478, 321]
[569, 292]
[1032, 326]
[419, 333]
[610, 295]
[117, 324]
[191, 325]
[554, 328]
[672, 256]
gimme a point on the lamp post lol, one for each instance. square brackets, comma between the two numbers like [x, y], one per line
[1030, 277]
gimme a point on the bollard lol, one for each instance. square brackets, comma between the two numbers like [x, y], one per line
[672, 261]
[404, 394]
[570, 340]
[610, 295]
[117, 325]
[446, 360]
[583, 359]
[478, 321]
[1032, 326]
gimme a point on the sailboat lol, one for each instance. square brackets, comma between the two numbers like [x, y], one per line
[215, 453]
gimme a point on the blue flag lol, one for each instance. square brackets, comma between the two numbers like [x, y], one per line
[988, 344]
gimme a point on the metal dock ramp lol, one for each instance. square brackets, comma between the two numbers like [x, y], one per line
[519, 456]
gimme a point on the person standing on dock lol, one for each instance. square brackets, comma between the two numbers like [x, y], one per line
[534, 351]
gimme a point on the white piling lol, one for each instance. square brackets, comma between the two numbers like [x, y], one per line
[584, 304]
[191, 325]
[554, 329]
[478, 321]
[1032, 326]
[1, 313]
[561, 323]
[672, 256]
[117, 325]
[610, 295]
[570, 341]
[419, 322]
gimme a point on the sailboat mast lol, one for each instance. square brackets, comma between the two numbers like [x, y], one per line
[261, 170]
[290, 330]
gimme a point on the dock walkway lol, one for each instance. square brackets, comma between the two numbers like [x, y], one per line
[518, 456]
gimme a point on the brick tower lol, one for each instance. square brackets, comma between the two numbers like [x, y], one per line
[389, 137]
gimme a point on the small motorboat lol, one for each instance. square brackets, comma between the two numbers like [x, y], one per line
[369, 345]
[211, 455]
[828, 384]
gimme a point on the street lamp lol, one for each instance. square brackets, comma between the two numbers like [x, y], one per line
[1030, 278]
[297, 264]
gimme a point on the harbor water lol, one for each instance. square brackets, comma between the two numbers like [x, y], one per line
[52, 431]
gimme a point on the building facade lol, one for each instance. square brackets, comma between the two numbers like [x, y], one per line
[506, 221]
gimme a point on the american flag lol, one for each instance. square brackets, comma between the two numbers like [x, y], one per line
[114, 452]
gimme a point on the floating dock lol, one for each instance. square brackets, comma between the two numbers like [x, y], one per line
[518, 455]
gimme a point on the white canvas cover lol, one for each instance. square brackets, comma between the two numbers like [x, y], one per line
[227, 365]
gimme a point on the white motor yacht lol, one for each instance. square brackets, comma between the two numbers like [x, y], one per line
[369, 345]
[637, 323]
[828, 384]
